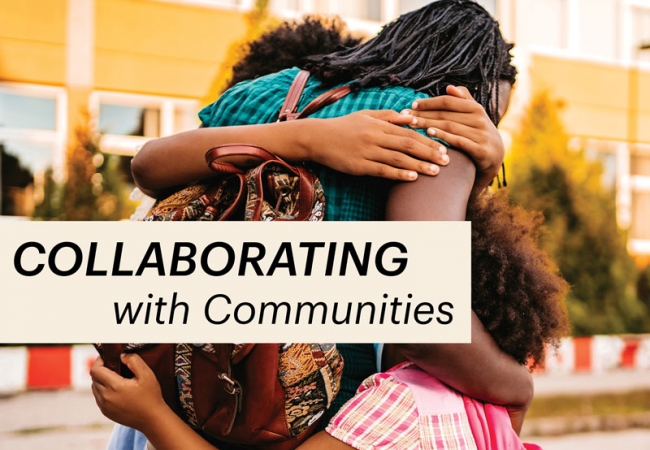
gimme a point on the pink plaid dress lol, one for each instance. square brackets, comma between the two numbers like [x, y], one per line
[406, 409]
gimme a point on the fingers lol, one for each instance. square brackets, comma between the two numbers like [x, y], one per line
[390, 116]
[385, 148]
[402, 148]
[444, 103]
[388, 171]
[100, 374]
[459, 91]
[454, 131]
[400, 142]
[136, 365]
[476, 151]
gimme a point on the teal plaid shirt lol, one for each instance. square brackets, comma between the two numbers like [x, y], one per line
[259, 101]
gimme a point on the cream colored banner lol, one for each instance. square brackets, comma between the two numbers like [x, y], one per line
[74, 282]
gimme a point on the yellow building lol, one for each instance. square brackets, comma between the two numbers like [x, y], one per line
[591, 55]
[142, 66]
[139, 66]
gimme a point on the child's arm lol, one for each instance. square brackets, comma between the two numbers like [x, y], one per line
[371, 143]
[480, 369]
[138, 403]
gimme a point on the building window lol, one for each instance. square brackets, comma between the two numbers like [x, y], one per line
[32, 141]
[604, 153]
[640, 164]
[127, 121]
[641, 33]
[357, 12]
[22, 111]
[640, 227]
[360, 9]
[411, 5]
[367, 10]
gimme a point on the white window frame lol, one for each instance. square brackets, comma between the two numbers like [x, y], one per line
[57, 138]
[127, 145]
[627, 49]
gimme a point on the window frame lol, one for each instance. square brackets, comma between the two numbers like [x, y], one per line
[168, 106]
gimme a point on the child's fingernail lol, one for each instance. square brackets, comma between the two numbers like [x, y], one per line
[405, 112]
[445, 159]
[414, 105]
[443, 149]
[414, 121]
[433, 169]
[431, 132]
[411, 175]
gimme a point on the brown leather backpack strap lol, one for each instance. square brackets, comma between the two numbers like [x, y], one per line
[236, 158]
[295, 91]
[110, 353]
[322, 101]
[288, 111]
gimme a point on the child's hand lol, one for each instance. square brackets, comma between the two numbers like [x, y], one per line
[462, 122]
[132, 402]
[374, 143]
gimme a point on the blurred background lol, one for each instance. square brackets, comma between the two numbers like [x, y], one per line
[83, 83]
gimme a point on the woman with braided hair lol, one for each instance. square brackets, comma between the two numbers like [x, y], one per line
[482, 369]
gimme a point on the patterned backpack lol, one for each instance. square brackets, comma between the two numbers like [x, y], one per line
[267, 396]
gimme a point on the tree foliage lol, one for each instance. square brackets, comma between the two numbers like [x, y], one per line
[581, 233]
[94, 189]
[13, 175]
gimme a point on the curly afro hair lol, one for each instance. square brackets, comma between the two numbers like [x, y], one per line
[291, 42]
[517, 292]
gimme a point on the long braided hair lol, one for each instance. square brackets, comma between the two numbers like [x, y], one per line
[446, 42]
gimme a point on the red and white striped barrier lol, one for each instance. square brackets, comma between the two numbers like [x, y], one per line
[51, 367]
[65, 367]
[599, 354]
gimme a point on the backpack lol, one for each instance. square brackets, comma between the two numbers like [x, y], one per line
[268, 396]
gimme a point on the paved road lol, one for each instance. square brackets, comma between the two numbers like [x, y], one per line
[57, 420]
[588, 383]
[629, 439]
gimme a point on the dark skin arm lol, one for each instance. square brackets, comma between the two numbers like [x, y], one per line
[480, 369]
[362, 143]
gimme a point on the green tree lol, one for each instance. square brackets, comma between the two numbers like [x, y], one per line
[13, 176]
[643, 291]
[581, 233]
[94, 189]
[51, 208]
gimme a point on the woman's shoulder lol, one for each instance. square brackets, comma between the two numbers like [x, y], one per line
[251, 101]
